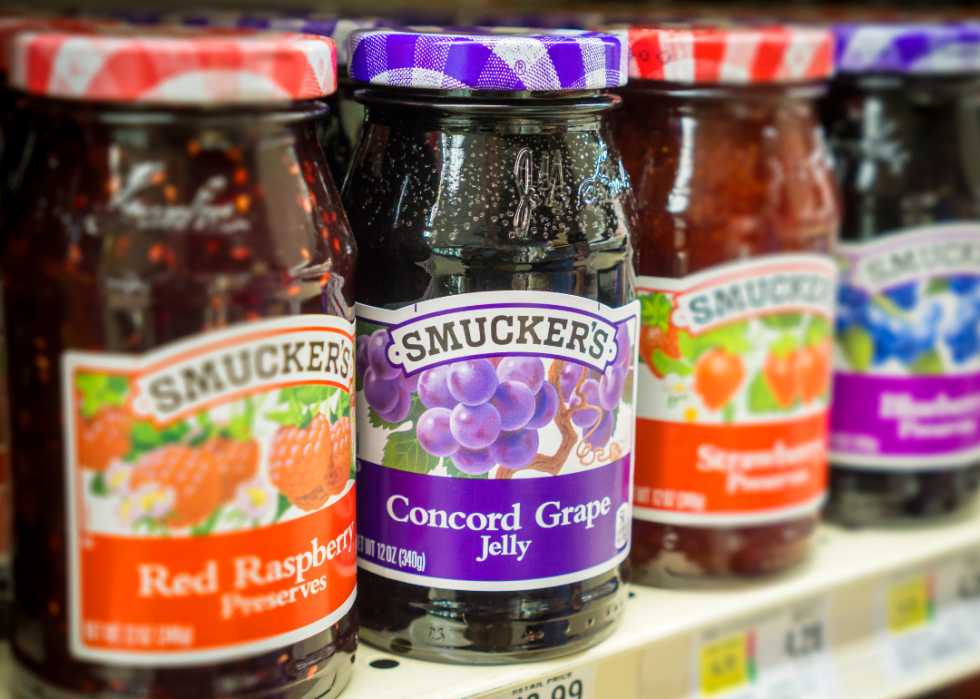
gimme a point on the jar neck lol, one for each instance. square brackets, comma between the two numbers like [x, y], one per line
[493, 110]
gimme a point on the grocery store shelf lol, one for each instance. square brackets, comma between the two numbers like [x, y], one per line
[850, 587]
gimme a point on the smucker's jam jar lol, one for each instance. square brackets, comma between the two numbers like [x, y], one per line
[738, 211]
[178, 288]
[903, 117]
[496, 319]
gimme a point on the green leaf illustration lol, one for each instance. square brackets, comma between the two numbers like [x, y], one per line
[729, 337]
[282, 505]
[668, 365]
[818, 329]
[403, 452]
[761, 399]
[456, 473]
[927, 363]
[783, 321]
[655, 310]
[206, 527]
[98, 485]
[785, 345]
[937, 286]
[859, 348]
[101, 390]
[144, 437]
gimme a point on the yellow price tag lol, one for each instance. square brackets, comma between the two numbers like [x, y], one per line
[728, 663]
[910, 604]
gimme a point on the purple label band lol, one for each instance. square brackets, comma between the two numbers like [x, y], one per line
[919, 422]
[473, 534]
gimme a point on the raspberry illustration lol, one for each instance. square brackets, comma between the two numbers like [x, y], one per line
[103, 439]
[194, 476]
[238, 461]
[313, 500]
[299, 457]
[339, 471]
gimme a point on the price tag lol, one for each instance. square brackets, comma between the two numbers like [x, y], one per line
[574, 684]
[778, 655]
[929, 617]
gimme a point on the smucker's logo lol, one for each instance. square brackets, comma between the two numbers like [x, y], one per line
[514, 329]
[748, 290]
[302, 350]
[928, 252]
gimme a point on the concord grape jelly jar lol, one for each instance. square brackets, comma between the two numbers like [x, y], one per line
[903, 117]
[178, 289]
[496, 325]
[738, 212]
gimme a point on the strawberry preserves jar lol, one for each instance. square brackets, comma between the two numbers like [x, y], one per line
[902, 117]
[737, 216]
[495, 338]
[178, 289]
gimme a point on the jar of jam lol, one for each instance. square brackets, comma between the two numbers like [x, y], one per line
[902, 117]
[738, 211]
[496, 323]
[178, 294]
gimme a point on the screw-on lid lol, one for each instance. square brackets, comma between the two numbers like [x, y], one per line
[174, 66]
[735, 55]
[452, 59]
[914, 47]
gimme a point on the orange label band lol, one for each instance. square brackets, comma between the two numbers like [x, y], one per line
[690, 473]
[199, 593]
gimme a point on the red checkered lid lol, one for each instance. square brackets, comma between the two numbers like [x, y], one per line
[12, 24]
[736, 55]
[174, 65]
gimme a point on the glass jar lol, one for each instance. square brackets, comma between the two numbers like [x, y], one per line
[904, 122]
[178, 290]
[737, 216]
[494, 222]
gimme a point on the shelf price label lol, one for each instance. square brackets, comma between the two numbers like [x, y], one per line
[574, 684]
[776, 655]
[727, 664]
[929, 617]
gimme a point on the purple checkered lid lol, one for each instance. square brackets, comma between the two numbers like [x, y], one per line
[455, 59]
[916, 48]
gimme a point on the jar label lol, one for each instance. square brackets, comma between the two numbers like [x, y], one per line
[907, 359]
[495, 439]
[210, 493]
[733, 392]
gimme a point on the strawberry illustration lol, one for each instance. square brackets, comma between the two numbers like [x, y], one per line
[237, 460]
[339, 471]
[103, 438]
[192, 474]
[717, 376]
[653, 338]
[300, 456]
[780, 373]
[812, 368]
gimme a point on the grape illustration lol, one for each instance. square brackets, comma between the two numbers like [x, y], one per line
[378, 355]
[475, 426]
[475, 462]
[409, 383]
[624, 350]
[434, 388]
[380, 394]
[963, 284]
[403, 406]
[611, 388]
[515, 450]
[588, 416]
[527, 370]
[599, 436]
[434, 433]
[473, 381]
[904, 296]
[515, 403]
[570, 375]
[545, 407]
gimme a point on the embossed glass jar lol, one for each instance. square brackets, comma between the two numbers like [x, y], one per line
[485, 179]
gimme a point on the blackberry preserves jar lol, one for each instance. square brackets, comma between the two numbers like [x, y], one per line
[496, 319]
[738, 212]
[179, 304]
[903, 116]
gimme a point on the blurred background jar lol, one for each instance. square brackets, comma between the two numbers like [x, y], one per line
[903, 117]
[738, 211]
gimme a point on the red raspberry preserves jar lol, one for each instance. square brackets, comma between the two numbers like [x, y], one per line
[737, 214]
[178, 289]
